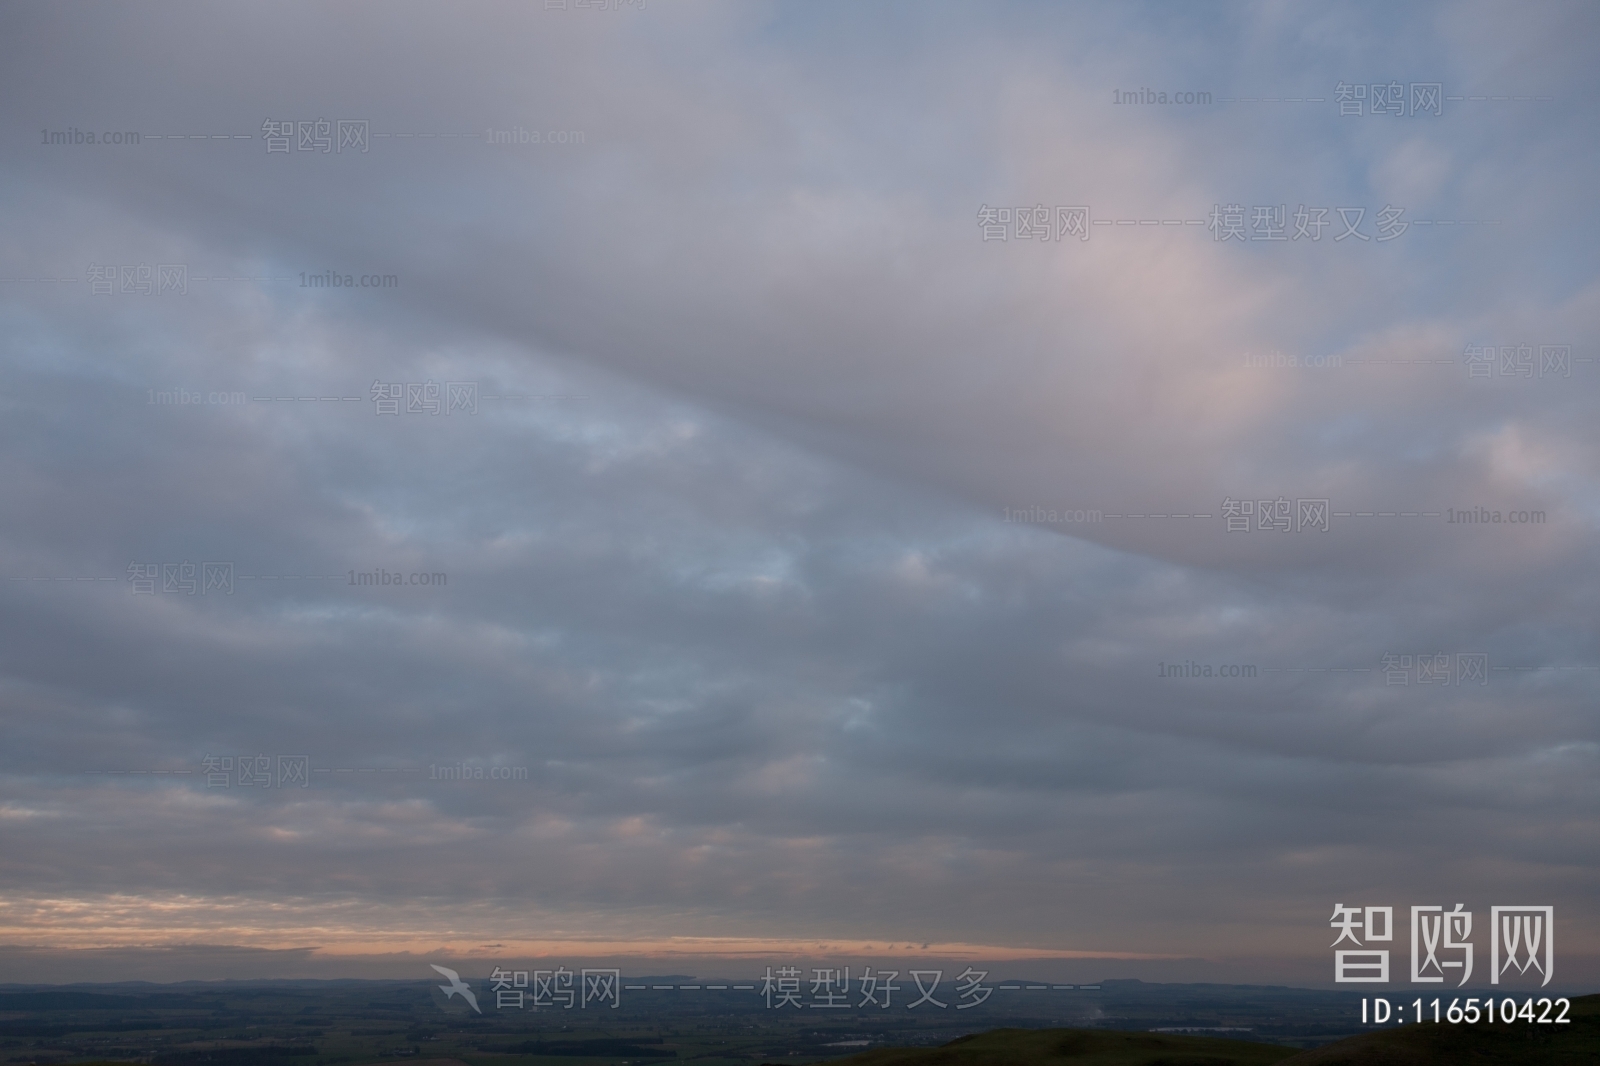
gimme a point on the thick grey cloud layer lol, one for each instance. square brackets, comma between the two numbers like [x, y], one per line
[735, 587]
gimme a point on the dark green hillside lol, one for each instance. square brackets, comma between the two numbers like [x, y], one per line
[1077, 1047]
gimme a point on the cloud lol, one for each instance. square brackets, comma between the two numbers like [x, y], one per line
[711, 428]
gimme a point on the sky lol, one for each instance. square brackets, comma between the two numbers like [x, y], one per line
[699, 484]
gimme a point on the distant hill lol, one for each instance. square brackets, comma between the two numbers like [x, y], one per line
[73, 1000]
[1524, 1044]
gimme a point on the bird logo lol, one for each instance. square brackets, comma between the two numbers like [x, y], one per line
[456, 985]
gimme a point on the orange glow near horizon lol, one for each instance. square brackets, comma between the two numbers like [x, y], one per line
[349, 929]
